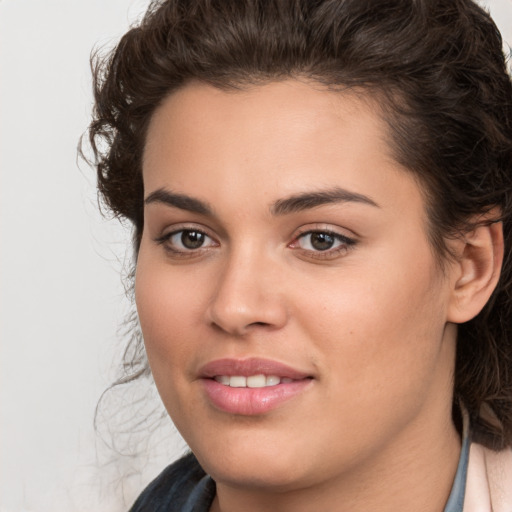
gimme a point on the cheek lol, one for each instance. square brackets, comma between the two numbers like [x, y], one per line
[168, 303]
[380, 330]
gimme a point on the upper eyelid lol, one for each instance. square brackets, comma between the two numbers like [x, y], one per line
[185, 226]
[324, 228]
[316, 230]
[347, 240]
[217, 232]
[166, 236]
[319, 227]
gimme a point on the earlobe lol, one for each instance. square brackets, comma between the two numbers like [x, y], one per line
[478, 267]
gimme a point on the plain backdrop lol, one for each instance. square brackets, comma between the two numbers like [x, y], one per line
[61, 295]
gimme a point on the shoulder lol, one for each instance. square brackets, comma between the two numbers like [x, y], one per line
[182, 486]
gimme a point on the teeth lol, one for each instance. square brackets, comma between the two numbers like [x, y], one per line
[253, 381]
[223, 379]
[256, 381]
[272, 380]
[237, 381]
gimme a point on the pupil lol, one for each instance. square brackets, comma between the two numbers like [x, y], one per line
[322, 241]
[192, 239]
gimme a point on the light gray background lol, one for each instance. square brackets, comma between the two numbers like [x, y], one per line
[61, 297]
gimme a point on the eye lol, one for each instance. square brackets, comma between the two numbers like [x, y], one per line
[323, 243]
[318, 241]
[186, 240]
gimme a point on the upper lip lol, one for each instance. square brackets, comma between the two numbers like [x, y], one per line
[252, 366]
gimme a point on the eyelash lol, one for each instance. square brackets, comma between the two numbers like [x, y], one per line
[166, 241]
[344, 244]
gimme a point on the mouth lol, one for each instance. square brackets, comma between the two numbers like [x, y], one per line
[252, 381]
[251, 386]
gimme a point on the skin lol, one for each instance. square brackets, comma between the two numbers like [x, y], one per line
[371, 322]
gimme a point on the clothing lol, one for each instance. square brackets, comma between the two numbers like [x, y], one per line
[455, 501]
[489, 480]
[181, 487]
[483, 483]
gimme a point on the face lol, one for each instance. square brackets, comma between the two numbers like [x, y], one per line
[294, 315]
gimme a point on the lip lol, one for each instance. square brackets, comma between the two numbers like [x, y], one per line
[251, 401]
[252, 366]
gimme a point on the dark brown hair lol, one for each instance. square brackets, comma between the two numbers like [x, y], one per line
[438, 69]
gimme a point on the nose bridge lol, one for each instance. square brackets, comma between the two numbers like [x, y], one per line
[248, 293]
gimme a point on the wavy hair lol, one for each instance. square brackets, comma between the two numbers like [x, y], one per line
[438, 69]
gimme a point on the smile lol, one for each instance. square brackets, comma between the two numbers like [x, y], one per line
[252, 381]
[251, 387]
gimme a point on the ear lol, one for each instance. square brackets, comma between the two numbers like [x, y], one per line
[477, 269]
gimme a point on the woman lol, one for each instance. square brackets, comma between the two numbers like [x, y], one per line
[321, 200]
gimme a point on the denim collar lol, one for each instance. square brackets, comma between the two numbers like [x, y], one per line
[455, 501]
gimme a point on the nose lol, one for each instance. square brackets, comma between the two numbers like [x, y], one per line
[248, 295]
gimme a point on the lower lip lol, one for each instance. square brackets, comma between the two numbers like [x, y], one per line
[252, 401]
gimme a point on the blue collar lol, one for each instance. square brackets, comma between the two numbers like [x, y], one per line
[455, 501]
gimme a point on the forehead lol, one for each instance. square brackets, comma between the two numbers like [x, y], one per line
[271, 140]
[288, 111]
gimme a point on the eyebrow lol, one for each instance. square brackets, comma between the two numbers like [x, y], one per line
[181, 201]
[300, 202]
[292, 204]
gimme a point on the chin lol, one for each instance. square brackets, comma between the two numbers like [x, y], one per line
[270, 476]
[255, 466]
